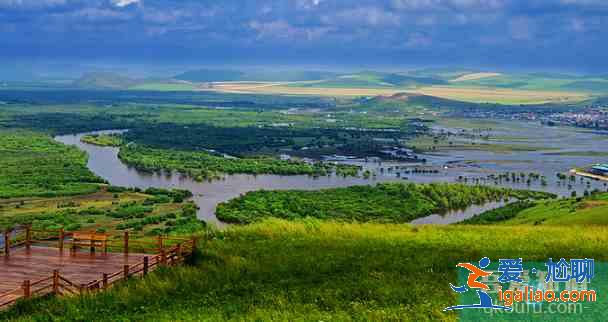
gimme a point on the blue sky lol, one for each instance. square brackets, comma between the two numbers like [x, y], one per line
[517, 34]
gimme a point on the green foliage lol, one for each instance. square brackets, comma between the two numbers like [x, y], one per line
[389, 202]
[589, 210]
[206, 166]
[102, 139]
[318, 271]
[32, 164]
[500, 214]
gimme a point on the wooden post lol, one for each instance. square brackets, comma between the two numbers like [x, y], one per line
[146, 265]
[178, 252]
[160, 243]
[28, 237]
[61, 239]
[56, 282]
[163, 257]
[126, 243]
[194, 242]
[104, 281]
[27, 292]
[125, 270]
[7, 243]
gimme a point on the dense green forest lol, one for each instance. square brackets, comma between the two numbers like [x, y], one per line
[202, 165]
[316, 270]
[388, 202]
[500, 214]
[233, 131]
[102, 139]
[32, 164]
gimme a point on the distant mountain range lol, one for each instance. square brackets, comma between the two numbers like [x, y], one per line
[228, 75]
[104, 80]
[191, 80]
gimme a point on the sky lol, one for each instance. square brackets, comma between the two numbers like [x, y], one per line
[491, 34]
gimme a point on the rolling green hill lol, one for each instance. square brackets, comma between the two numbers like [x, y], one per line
[371, 79]
[104, 80]
[592, 210]
[228, 75]
[537, 81]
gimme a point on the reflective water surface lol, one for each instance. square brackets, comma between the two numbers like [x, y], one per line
[104, 162]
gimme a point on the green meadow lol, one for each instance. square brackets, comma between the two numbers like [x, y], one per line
[34, 165]
[313, 270]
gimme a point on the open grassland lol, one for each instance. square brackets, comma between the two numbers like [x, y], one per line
[588, 211]
[144, 213]
[473, 94]
[319, 271]
[542, 82]
[474, 76]
[279, 89]
[32, 164]
[426, 143]
[502, 96]
[164, 87]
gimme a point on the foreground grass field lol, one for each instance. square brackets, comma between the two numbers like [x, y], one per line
[319, 271]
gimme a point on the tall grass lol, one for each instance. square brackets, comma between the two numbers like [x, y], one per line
[318, 271]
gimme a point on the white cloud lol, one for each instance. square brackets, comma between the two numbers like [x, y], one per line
[124, 3]
[370, 16]
[308, 4]
[448, 4]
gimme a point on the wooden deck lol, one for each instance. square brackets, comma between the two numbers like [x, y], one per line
[40, 262]
[36, 262]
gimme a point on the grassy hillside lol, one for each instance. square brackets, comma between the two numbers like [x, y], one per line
[549, 82]
[592, 210]
[320, 271]
[372, 79]
[104, 80]
[226, 75]
[587, 211]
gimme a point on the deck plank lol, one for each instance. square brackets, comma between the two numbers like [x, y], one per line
[39, 263]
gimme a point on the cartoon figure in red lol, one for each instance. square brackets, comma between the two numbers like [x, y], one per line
[475, 273]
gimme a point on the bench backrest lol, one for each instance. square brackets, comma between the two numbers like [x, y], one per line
[90, 236]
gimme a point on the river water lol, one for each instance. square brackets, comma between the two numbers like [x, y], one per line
[104, 162]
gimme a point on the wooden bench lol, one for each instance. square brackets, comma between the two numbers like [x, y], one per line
[90, 239]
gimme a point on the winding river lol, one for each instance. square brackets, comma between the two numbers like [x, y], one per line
[104, 162]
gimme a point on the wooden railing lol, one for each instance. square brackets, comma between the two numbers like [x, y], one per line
[58, 238]
[170, 252]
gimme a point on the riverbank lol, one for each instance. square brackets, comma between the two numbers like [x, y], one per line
[104, 162]
[588, 175]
